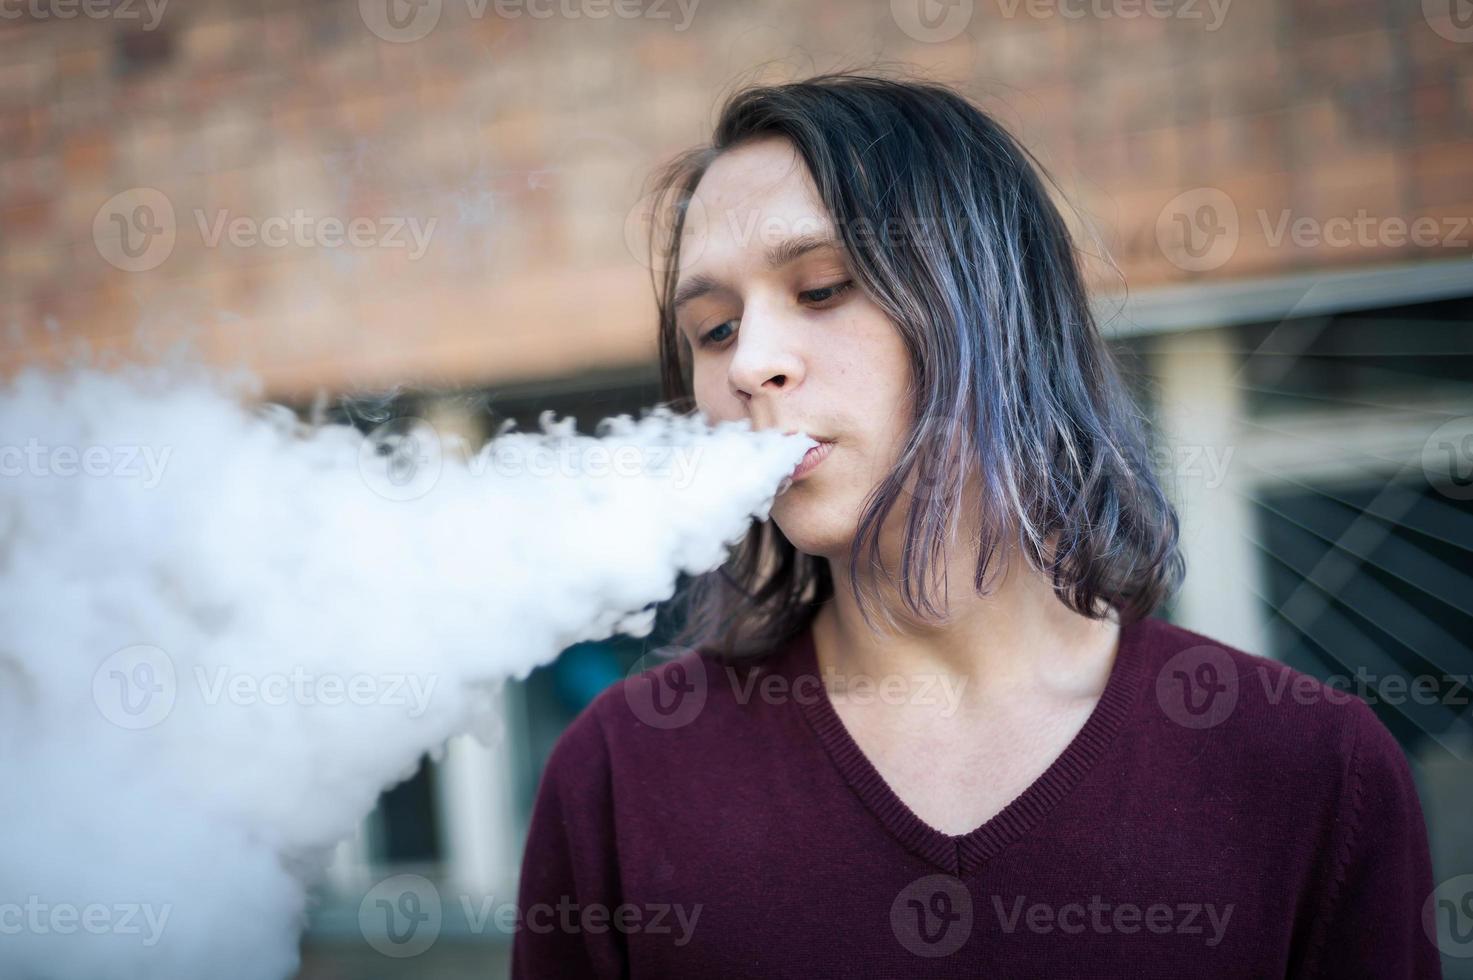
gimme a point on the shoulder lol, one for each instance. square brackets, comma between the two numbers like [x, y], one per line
[687, 708]
[1265, 714]
[1309, 772]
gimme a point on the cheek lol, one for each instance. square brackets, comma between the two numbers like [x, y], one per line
[709, 389]
[878, 379]
[868, 359]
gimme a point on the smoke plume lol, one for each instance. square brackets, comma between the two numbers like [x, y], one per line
[226, 631]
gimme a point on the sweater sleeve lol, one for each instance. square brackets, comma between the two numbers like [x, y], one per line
[569, 885]
[1370, 924]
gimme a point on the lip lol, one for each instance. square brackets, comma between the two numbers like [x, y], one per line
[812, 459]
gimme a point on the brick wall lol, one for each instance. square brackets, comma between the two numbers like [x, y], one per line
[517, 146]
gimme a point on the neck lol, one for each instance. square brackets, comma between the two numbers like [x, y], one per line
[1019, 635]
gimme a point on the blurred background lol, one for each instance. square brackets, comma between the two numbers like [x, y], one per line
[437, 204]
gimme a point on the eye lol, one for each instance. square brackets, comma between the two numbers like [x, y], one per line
[823, 296]
[709, 337]
[827, 294]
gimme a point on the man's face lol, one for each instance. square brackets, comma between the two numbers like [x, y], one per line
[782, 335]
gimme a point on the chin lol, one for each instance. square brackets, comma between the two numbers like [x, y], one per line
[813, 529]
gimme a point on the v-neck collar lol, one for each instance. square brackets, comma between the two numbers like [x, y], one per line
[960, 854]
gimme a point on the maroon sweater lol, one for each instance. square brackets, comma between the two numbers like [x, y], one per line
[1219, 815]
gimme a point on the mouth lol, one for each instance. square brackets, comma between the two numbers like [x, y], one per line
[812, 459]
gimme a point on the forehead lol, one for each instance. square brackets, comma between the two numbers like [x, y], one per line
[750, 198]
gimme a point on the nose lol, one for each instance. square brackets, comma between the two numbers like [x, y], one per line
[766, 361]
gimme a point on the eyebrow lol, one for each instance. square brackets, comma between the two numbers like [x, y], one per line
[778, 255]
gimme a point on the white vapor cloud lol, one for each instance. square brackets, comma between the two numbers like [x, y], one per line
[223, 633]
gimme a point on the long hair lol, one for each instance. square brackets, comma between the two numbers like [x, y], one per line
[952, 234]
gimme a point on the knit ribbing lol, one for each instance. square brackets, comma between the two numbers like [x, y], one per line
[960, 854]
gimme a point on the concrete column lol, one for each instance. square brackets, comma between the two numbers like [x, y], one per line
[1200, 407]
[478, 827]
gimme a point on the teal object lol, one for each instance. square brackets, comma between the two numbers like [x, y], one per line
[583, 671]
